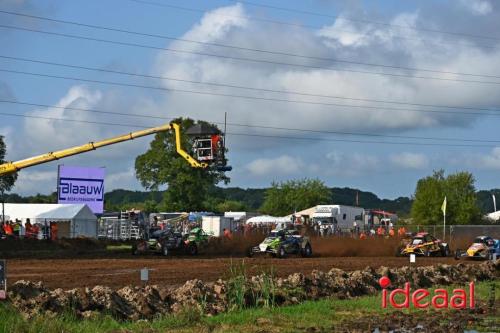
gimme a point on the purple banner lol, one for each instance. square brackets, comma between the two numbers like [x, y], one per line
[78, 185]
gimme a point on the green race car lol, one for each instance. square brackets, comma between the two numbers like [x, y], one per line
[196, 239]
[280, 243]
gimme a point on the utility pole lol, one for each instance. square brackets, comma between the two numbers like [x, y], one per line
[3, 206]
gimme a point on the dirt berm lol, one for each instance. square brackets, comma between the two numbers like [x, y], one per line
[134, 303]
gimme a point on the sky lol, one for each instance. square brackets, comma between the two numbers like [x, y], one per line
[366, 94]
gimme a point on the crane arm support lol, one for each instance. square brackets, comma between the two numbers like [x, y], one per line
[12, 167]
[193, 162]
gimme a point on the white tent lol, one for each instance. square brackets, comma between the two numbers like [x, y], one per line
[74, 220]
[264, 219]
[495, 216]
[237, 216]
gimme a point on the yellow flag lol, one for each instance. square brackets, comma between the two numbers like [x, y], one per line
[443, 206]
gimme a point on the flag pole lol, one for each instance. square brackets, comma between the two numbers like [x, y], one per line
[443, 209]
[444, 226]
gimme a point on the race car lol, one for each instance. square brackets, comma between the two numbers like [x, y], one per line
[426, 245]
[160, 242]
[483, 247]
[280, 243]
[196, 239]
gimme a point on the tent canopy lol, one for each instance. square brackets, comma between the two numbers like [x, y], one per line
[268, 219]
[74, 220]
[494, 216]
[237, 216]
[49, 211]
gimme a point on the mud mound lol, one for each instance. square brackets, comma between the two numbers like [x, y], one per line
[34, 248]
[133, 303]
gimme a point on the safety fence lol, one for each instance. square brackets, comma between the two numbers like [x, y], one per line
[118, 229]
[454, 230]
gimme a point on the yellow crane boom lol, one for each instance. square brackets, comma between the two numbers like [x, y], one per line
[11, 167]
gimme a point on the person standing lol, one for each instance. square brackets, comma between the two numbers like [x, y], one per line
[8, 229]
[53, 231]
[17, 228]
[29, 231]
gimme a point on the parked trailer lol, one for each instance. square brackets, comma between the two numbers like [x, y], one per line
[340, 217]
[215, 225]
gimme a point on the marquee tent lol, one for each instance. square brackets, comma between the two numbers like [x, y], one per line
[266, 219]
[74, 220]
[495, 216]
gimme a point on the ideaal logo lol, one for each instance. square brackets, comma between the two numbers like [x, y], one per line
[422, 298]
[83, 188]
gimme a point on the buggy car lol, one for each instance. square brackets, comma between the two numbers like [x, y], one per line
[426, 245]
[196, 239]
[160, 242]
[483, 247]
[280, 243]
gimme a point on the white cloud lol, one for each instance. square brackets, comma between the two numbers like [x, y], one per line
[350, 164]
[61, 134]
[116, 180]
[490, 161]
[408, 160]
[282, 165]
[373, 44]
[477, 7]
[32, 181]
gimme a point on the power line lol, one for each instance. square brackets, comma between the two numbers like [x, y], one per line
[248, 126]
[280, 53]
[225, 95]
[269, 62]
[292, 10]
[196, 10]
[259, 135]
[217, 84]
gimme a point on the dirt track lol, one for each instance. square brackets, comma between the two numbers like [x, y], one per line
[70, 273]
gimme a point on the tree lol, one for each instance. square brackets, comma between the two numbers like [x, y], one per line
[161, 165]
[6, 181]
[231, 206]
[460, 196]
[294, 195]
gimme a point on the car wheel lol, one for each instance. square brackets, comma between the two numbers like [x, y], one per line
[427, 253]
[249, 253]
[445, 251]
[307, 251]
[192, 249]
[281, 252]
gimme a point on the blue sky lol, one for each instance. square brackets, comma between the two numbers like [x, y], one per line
[388, 170]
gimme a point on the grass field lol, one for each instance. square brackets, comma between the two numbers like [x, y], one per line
[312, 316]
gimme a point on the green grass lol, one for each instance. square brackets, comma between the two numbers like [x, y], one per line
[319, 314]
